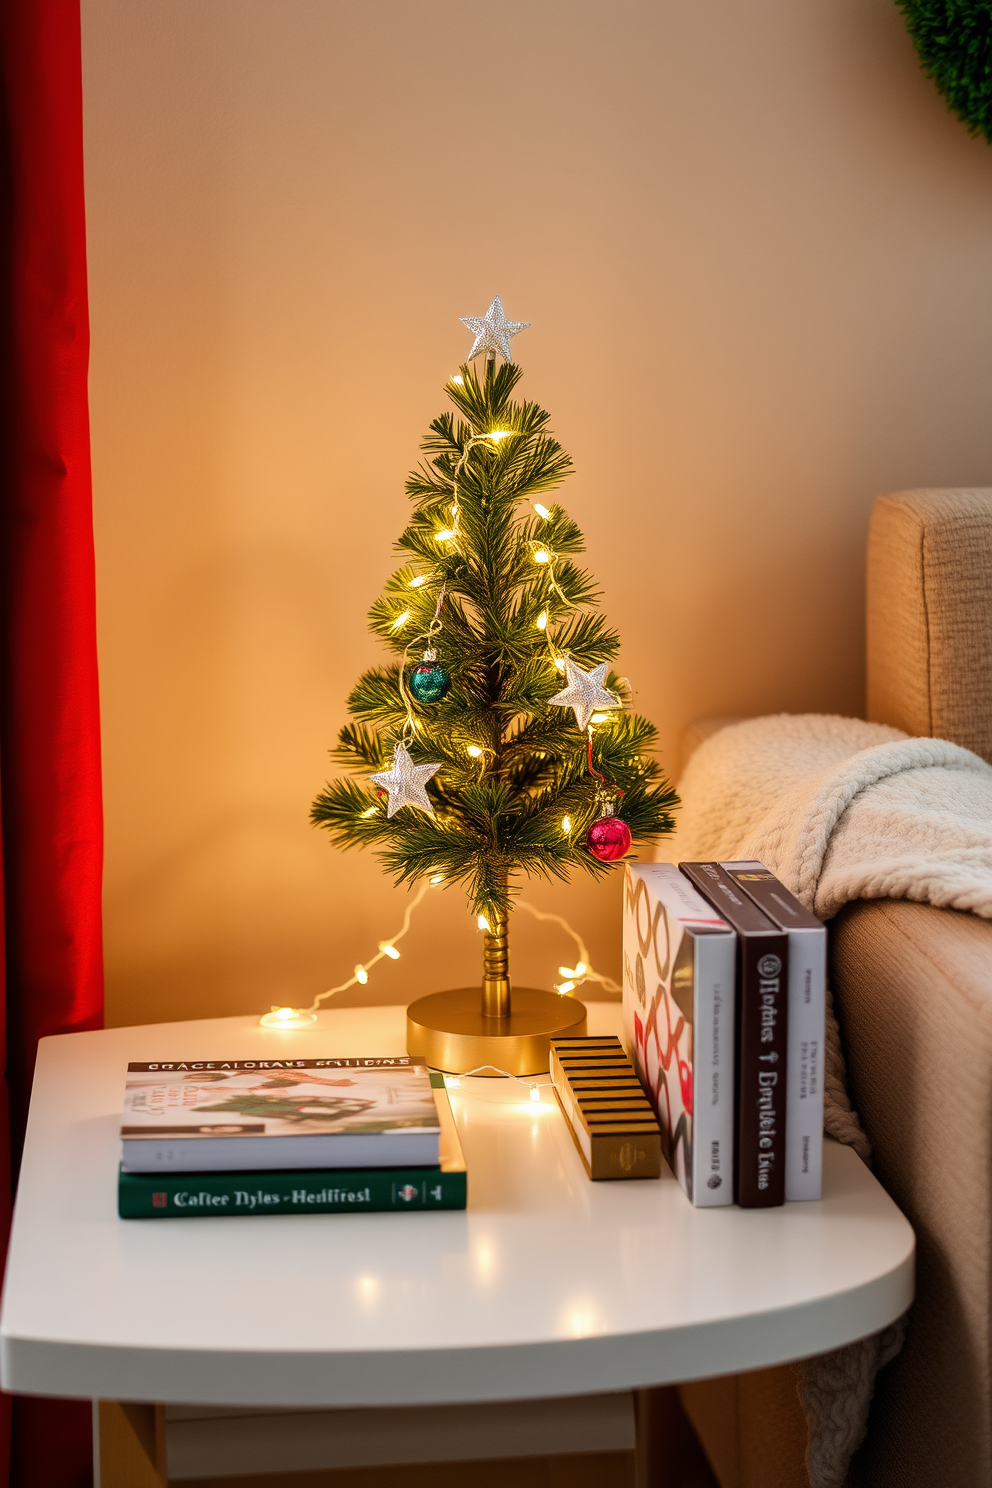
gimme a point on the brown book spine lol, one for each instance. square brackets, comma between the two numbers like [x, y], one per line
[762, 1053]
[762, 1038]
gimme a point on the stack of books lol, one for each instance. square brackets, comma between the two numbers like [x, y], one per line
[724, 989]
[286, 1136]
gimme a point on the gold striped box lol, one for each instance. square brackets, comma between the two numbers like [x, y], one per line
[611, 1120]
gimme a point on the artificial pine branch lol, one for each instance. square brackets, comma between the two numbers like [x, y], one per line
[522, 802]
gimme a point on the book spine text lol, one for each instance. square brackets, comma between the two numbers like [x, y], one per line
[763, 1062]
[804, 1116]
[713, 1072]
[171, 1196]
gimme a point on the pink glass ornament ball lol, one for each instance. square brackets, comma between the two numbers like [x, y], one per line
[608, 839]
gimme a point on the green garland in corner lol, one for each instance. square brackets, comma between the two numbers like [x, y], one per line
[954, 41]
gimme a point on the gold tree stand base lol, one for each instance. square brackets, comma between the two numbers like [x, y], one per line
[449, 1031]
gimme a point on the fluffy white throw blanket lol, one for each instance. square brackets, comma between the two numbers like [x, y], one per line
[842, 810]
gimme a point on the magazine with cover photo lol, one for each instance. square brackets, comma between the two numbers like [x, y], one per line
[200, 1116]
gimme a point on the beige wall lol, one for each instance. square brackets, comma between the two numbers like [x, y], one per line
[756, 254]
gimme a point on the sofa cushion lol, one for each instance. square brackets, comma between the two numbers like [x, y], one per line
[929, 642]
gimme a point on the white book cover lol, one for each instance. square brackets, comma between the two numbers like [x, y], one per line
[678, 1014]
[807, 1024]
[236, 1115]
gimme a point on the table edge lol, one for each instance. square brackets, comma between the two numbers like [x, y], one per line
[454, 1375]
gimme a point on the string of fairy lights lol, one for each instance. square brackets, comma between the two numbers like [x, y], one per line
[573, 977]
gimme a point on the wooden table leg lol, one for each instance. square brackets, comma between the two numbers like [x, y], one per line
[132, 1445]
[668, 1450]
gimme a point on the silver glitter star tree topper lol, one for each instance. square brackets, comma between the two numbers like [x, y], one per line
[493, 332]
[502, 772]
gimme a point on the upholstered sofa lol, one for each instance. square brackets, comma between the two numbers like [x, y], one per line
[913, 991]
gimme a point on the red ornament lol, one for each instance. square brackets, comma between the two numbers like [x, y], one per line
[608, 839]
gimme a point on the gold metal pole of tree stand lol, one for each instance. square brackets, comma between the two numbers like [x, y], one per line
[511, 1031]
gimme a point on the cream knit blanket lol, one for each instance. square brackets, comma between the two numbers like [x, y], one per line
[842, 810]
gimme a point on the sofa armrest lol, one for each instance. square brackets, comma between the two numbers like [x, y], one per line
[929, 641]
[913, 990]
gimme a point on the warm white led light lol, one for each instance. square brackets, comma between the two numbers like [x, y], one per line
[389, 950]
[542, 620]
[288, 1018]
[542, 556]
[498, 434]
[438, 878]
[483, 923]
[460, 380]
[542, 511]
[565, 987]
[535, 1094]
[566, 824]
[400, 620]
[474, 751]
[361, 975]
[581, 969]
[560, 663]
[444, 535]
[420, 579]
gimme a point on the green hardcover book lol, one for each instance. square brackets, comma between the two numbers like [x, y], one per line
[311, 1191]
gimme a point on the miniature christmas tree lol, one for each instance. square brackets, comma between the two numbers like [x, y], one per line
[499, 744]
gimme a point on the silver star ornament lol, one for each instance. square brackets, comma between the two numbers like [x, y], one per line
[492, 333]
[405, 783]
[585, 692]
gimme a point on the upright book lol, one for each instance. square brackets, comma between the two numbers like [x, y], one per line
[340, 1191]
[241, 1115]
[678, 1018]
[807, 1013]
[762, 1037]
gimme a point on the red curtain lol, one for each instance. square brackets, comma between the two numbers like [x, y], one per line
[50, 795]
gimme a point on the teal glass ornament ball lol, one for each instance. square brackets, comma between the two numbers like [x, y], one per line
[429, 682]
